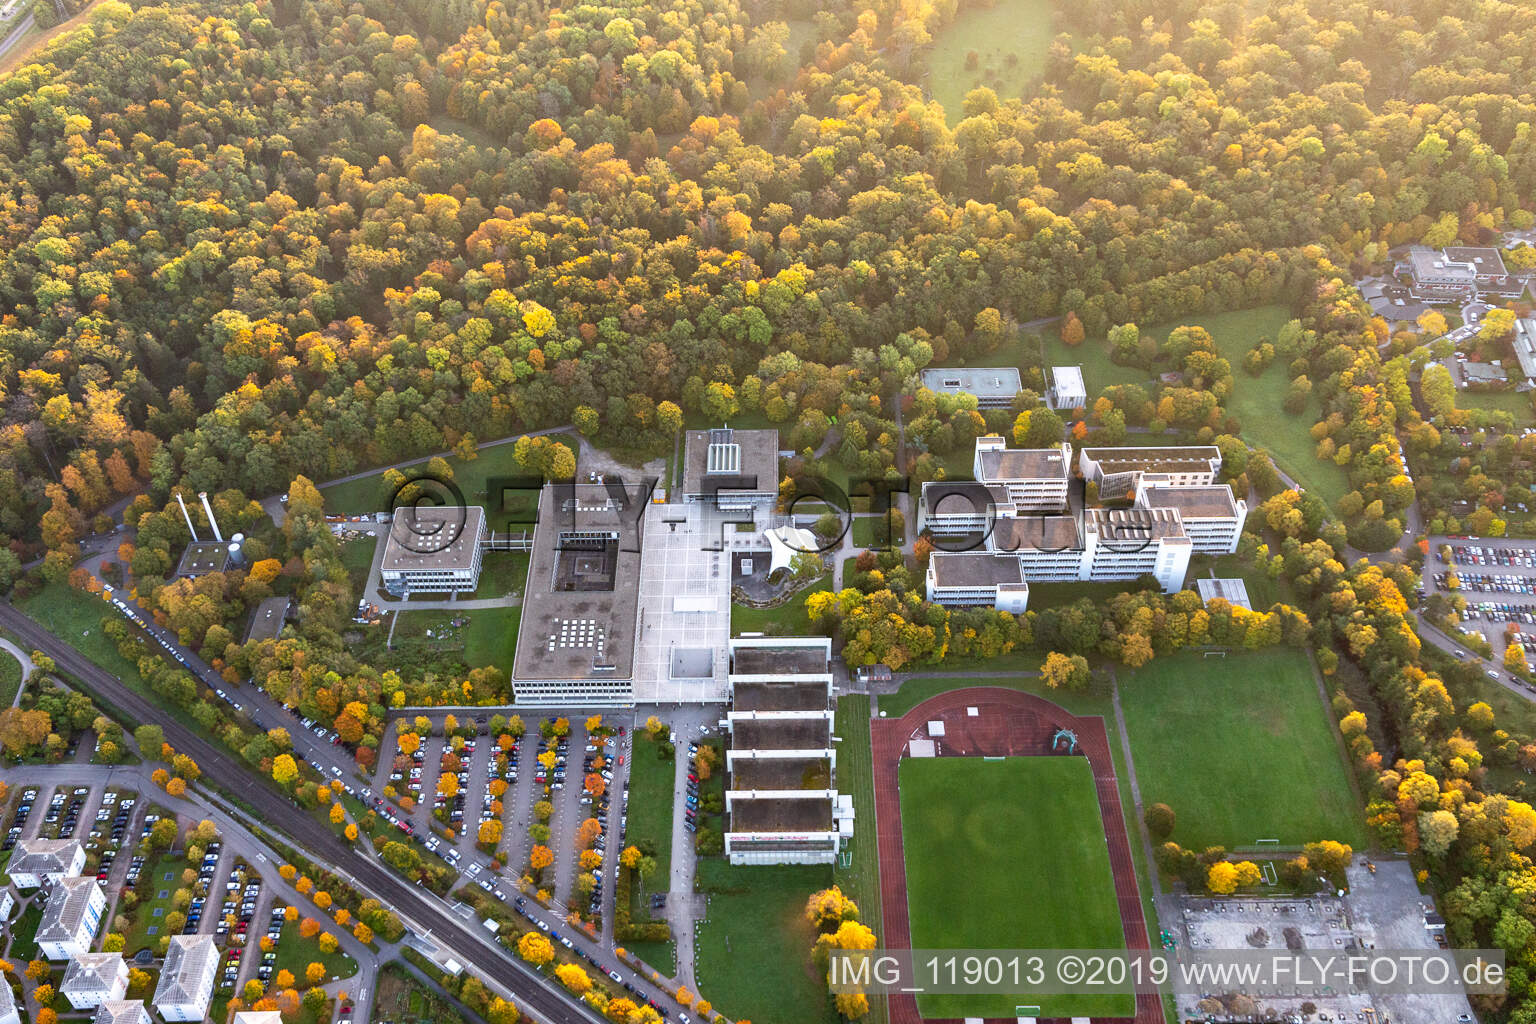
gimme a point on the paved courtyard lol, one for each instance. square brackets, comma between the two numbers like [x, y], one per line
[685, 604]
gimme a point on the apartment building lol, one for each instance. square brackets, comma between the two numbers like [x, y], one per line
[186, 981]
[94, 978]
[70, 918]
[122, 1011]
[36, 862]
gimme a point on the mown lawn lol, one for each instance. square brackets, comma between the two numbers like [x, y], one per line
[1010, 41]
[860, 879]
[1241, 748]
[788, 619]
[372, 494]
[1008, 854]
[650, 807]
[491, 637]
[295, 953]
[752, 957]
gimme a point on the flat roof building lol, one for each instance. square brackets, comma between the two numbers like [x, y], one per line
[735, 469]
[1460, 271]
[576, 640]
[1068, 391]
[1175, 464]
[70, 918]
[1525, 346]
[780, 802]
[993, 386]
[1233, 591]
[433, 549]
[977, 578]
[267, 621]
[1212, 515]
[203, 557]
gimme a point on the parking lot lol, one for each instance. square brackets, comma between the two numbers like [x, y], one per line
[1496, 579]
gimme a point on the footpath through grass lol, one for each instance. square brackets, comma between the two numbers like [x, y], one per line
[752, 957]
[1008, 854]
[1241, 748]
[860, 879]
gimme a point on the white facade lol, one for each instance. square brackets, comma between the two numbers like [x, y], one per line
[1068, 392]
[93, 979]
[8, 1012]
[1178, 466]
[258, 1017]
[122, 1011]
[7, 902]
[36, 862]
[186, 982]
[977, 579]
[1035, 479]
[432, 550]
[1212, 515]
[70, 919]
[780, 729]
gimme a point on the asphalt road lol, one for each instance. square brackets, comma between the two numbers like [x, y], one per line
[470, 946]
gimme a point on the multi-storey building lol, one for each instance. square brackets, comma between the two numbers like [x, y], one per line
[780, 801]
[433, 550]
[1177, 465]
[70, 918]
[94, 978]
[37, 862]
[186, 981]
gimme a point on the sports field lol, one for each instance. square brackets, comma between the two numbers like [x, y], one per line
[1241, 748]
[1008, 854]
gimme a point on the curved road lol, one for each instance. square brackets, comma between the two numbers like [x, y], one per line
[468, 945]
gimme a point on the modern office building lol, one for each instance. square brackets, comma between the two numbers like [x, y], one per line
[1212, 515]
[1068, 392]
[70, 918]
[993, 386]
[737, 470]
[781, 805]
[576, 639]
[1177, 465]
[433, 550]
[1034, 479]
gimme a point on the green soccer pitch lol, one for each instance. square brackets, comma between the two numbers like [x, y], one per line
[1008, 854]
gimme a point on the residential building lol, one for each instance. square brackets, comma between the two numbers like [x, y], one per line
[8, 1012]
[993, 386]
[258, 1017]
[94, 978]
[70, 918]
[780, 802]
[186, 980]
[736, 470]
[433, 550]
[122, 1011]
[1068, 391]
[7, 902]
[36, 862]
[1176, 465]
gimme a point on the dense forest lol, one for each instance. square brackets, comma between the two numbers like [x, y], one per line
[247, 242]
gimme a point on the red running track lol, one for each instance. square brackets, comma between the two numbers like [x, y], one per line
[1009, 722]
